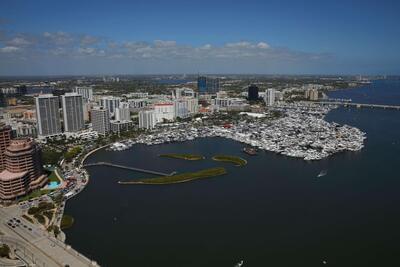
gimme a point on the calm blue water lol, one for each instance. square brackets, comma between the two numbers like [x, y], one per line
[379, 92]
[272, 212]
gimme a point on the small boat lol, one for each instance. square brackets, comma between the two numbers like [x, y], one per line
[250, 151]
[322, 173]
[239, 264]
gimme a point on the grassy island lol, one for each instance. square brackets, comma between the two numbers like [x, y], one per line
[179, 178]
[183, 156]
[238, 161]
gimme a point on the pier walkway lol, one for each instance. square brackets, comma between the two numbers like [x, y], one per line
[128, 168]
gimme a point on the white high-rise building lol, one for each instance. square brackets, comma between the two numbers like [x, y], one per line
[147, 119]
[100, 120]
[48, 115]
[269, 97]
[85, 91]
[186, 107]
[73, 113]
[110, 103]
[122, 113]
[164, 111]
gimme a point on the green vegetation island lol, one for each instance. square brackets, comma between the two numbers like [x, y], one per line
[179, 178]
[66, 222]
[238, 161]
[183, 156]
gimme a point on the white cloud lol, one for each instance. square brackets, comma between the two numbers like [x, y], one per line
[18, 41]
[162, 43]
[263, 45]
[9, 49]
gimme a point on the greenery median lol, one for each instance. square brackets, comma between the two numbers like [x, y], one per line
[179, 178]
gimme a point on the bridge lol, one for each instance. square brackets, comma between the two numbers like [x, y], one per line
[359, 105]
[128, 168]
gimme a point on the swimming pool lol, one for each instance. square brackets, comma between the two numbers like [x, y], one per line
[53, 185]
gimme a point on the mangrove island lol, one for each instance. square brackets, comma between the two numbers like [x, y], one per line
[183, 156]
[238, 161]
[179, 178]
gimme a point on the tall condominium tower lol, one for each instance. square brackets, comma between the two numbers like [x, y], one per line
[23, 170]
[207, 85]
[110, 103]
[269, 97]
[202, 84]
[85, 91]
[5, 139]
[48, 115]
[122, 113]
[100, 120]
[73, 113]
[147, 119]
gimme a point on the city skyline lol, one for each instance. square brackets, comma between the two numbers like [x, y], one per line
[104, 37]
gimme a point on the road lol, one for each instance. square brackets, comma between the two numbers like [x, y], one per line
[35, 245]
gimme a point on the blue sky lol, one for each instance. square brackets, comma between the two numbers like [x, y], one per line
[135, 37]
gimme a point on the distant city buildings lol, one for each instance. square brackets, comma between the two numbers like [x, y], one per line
[48, 115]
[73, 113]
[100, 120]
[252, 93]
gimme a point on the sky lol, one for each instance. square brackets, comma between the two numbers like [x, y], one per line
[43, 37]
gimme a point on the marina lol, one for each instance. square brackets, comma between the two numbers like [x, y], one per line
[301, 133]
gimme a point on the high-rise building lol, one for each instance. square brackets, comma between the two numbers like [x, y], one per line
[110, 103]
[85, 91]
[252, 93]
[48, 115]
[23, 170]
[122, 113]
[202, 84]
[100, 120]
[164, 111]
[73, 113]
[207, 85]
[269, 97]
[311, 94]
[5, 139]
[212, 85]
[186, 107]
[147, 119]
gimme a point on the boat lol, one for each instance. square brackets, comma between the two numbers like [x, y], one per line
[239, 264]
[322, 173]
[250, 151]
